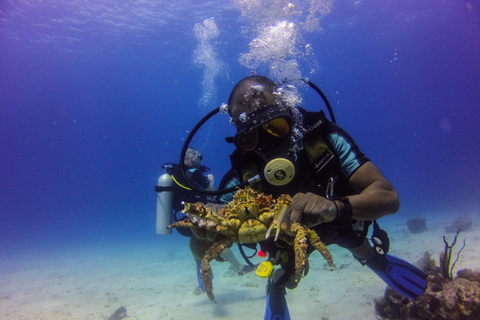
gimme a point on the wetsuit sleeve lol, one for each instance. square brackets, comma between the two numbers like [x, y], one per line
[349, 154]
[229, 196]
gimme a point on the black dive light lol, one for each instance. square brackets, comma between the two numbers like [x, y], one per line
[272, 169]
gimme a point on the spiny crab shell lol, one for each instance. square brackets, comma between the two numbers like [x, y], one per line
[249, 218]
[246, 219]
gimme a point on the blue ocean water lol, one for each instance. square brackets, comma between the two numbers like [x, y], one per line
[96, 95]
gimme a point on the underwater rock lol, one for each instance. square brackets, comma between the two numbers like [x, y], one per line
[417, 225]
[469, 275]
[462, 223]
[119, 314]
[444, 299]
[425, 263]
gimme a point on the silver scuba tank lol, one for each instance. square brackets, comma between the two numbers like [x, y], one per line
[164, 204]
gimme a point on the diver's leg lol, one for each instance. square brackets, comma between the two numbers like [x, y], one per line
[281, 278]
[200, 289]
[228, 255]
[397, 273]
[276, 307]
[241, 268]
[364, 252]
[198, 247]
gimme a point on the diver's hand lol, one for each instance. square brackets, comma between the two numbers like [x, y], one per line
[210, 178]
[211, 182]
[311, 209]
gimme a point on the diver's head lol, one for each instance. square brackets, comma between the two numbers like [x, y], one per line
[265, 122]
[193, 158]
[249, 95]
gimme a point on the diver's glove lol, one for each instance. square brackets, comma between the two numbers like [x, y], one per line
[311, 209]
[211, 179]
[210, 187]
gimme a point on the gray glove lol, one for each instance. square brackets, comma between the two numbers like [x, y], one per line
[311, 209]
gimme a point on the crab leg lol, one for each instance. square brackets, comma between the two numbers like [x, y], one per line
[301, 234]
[300, 246]
[182, 224]
[320, 246]
[206, 270]
[277, 221]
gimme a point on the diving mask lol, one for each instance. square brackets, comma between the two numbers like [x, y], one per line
[249, 140]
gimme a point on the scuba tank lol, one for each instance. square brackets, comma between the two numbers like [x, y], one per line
[164, 203]
[171, 192]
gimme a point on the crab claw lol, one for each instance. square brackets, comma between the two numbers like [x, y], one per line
[277, 221]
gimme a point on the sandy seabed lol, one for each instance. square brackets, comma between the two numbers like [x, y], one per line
[157, 280]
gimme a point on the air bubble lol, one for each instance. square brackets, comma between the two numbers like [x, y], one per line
[243, 117]
[258, 88]
[223, 109]
[207, 58]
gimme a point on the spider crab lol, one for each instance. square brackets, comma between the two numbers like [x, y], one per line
[249, 218]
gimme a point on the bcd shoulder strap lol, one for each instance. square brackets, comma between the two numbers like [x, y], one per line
[318, 153]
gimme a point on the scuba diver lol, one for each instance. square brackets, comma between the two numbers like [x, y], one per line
[336, 190]
[172, 191]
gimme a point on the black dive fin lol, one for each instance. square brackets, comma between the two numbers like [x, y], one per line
[399, 274]
[277, 308]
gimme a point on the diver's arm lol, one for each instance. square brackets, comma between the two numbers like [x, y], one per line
[376, 196]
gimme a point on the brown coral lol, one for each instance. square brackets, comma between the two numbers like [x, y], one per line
[444, 299]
